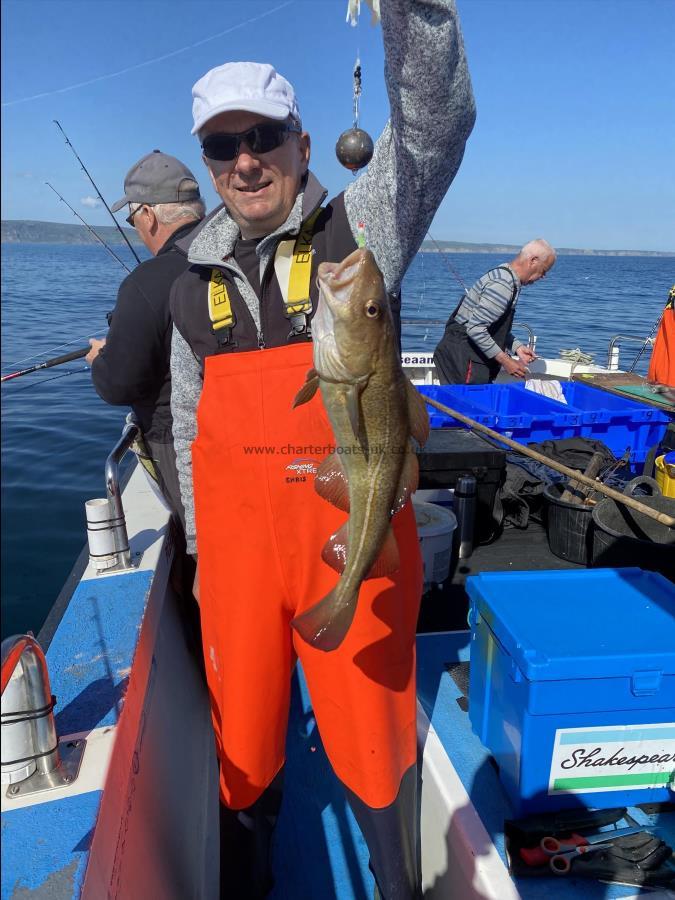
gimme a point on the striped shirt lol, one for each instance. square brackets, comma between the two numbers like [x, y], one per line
[484, 303]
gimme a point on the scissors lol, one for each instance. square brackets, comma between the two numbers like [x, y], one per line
[561, 853]
[550, 848]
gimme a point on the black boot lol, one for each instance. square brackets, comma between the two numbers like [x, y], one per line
[392, 836]
[245, 843]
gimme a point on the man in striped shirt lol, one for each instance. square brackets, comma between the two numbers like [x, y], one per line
[478, 335]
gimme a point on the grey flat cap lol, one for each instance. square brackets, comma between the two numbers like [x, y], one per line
[158, 178]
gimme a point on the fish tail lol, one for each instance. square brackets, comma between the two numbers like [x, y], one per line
[325, 624]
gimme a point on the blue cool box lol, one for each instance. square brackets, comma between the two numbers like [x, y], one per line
[572, 685]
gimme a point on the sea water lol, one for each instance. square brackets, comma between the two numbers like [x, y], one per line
[56, 432]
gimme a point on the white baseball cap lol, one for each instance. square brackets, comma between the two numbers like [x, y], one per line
[249, 86]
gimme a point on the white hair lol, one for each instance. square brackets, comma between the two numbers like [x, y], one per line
[168, 213]
[538, 247]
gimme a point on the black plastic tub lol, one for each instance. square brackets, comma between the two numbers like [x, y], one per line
[625, 537]
[568, 526]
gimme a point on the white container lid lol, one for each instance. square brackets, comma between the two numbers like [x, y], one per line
[433, 520]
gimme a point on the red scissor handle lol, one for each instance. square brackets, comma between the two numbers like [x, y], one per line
[549, 847]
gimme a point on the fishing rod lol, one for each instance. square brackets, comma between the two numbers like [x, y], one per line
[646, 344]
[84, 169]
[443, 255]
[98, 238]
[39, 383]
[18, 362]
[56, 361]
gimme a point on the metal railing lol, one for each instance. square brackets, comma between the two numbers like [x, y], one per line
[613, 349]
[411, 320]
[532, 337]
[130, 433]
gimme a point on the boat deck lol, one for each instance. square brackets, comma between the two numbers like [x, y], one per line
[319, 851]
[439, 693]
[516, 549]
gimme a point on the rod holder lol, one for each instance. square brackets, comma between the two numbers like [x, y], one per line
[28, 732]
[33, 759]
[106, 523]
[100, 534]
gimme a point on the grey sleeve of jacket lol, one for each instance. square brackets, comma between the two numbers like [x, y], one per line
[186, 388]
[420, 150]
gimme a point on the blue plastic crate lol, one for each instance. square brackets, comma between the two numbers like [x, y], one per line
[522, 416]
[572, 685]
[528, 417]
[619, 423]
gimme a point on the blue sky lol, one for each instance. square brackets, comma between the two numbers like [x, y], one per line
[574, 140]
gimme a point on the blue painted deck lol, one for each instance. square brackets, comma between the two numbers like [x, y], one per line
[90, 659]
[438, 694]
[318, 849]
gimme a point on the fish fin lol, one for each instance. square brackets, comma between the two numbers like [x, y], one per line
[417, 414]
[334, 552]
[331, 482]
[388, 560]
[325, 625]
[351, 395]
[308, 389]
[407, 483]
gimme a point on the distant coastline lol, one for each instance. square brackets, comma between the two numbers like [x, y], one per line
[27, 231]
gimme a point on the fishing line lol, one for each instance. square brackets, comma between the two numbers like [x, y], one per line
[149, 62]
[89, 228]
[101, 198]
[354, 148]
[42, 381]
[51, 349]
[646, 343]
[446, 262]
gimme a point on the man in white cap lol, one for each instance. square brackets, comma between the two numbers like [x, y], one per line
[130, 367]
[257, 525]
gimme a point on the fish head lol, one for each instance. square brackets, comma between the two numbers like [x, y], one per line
[353, 322]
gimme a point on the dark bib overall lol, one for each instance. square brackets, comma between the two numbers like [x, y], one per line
[457, 358]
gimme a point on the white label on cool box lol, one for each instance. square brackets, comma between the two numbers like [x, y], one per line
[612, 758]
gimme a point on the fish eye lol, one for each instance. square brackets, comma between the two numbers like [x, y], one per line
[372, 309]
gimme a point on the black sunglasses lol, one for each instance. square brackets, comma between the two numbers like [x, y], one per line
[261, 138]
[130, 218]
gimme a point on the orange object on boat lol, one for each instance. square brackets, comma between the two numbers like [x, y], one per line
[662, 363]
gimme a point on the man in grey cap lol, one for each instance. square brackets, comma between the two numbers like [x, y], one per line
[252, 287]
[131, 366]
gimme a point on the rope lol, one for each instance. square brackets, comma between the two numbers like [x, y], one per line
[577, 356]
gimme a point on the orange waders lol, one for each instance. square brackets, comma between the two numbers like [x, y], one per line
[261, 527]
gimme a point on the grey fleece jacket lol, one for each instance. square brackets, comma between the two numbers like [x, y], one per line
[415, 159]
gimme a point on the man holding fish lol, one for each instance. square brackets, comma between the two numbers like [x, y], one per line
[273, 268]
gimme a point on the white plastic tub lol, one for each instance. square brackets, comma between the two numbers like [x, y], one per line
[442, 496]
[435, 526]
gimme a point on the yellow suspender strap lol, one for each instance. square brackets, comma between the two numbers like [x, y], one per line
[293, 268]
[220, 308]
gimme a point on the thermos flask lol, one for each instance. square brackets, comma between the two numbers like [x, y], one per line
[465, 511]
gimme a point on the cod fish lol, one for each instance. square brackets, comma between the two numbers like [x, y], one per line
[373, 409]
